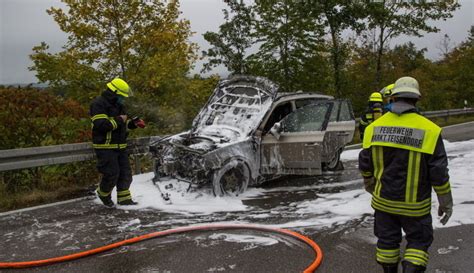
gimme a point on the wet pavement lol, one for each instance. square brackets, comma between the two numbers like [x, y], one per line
[346, 239]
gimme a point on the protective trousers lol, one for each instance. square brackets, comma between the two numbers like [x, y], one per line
[116, 171]
[419, 235]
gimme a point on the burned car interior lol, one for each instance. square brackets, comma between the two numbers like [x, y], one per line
[248, 133]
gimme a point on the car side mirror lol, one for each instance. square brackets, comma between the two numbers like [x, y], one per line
[276, 130]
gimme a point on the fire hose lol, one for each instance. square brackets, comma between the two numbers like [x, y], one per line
[310, 268]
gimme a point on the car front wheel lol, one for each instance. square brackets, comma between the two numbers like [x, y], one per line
[232, 179]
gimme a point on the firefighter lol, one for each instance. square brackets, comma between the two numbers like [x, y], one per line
[373, 112]
[109, 140]
[402, 159]
[387, 98]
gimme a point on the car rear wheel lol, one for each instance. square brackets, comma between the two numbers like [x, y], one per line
[334, 163]
[232, 179]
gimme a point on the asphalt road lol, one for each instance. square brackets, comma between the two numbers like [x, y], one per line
[459, 132]
[348, 247]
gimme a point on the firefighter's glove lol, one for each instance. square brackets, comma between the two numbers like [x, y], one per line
[369, 184]
[138, 122]
[445, 207]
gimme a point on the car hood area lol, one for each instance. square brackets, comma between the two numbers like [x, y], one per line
[235, 109]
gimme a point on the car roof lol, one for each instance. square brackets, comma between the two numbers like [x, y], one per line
[300, 94]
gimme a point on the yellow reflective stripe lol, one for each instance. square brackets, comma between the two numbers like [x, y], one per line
[363, 122]
[102, 193]
[416, 256]
[404, 205]
[409, 183]
[415, 260]
[417, 252]
[443, 189]
[108, 137]
[123, 195]
[99, 116]
[377, 158]
[366, 174]
[398, 211]
[388, 255]
[416, 175]
[402, 208]
[114, 123]
[104, 116]
[124, 192]
[413, 176]
[109, 146]
[388, 251]
[388, 260]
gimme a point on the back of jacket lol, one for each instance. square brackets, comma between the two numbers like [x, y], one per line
[405, 154]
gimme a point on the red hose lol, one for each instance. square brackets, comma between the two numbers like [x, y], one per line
[311, 268]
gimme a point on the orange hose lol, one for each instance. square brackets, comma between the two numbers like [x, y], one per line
[311, 268]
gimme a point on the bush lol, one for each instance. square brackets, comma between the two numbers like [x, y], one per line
[29, 118]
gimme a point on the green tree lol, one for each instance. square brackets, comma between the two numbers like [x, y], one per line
[230, 44]
[337, 16]
[390, 19]
[287, 39]
[144, 42]
[460, 69]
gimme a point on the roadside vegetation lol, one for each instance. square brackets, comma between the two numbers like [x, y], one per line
[298, 44]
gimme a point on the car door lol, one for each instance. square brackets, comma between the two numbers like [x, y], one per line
[340, 129]
[297, 147]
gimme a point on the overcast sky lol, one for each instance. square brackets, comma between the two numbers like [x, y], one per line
[25, 23]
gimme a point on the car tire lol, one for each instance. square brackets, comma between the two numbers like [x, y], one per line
[231, 179]
[333, 165]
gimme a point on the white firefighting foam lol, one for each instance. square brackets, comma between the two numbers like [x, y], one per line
[327, 210]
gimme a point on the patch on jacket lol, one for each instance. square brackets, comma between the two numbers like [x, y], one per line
[399, 135]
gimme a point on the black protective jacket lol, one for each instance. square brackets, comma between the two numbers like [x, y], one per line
[404, 178]
[109, 131]
[373, 112]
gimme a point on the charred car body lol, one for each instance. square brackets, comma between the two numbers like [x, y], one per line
[248, 133]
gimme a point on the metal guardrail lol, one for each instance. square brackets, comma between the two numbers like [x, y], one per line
[441, 113]
[23, 158]
[447, 113]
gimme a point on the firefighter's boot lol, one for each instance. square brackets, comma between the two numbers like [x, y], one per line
[106, 199]
[124, 198]
[390, 268]
[411, 268]
[127, 202]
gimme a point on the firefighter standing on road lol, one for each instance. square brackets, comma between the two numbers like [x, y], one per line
[402, 159]
[109, 139]
[373, 112]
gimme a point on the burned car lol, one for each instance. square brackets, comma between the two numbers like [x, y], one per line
[248, 133]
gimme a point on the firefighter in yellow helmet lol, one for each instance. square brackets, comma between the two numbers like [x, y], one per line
[402, 160]
[387, 96]
[110, 124]
[373, 112]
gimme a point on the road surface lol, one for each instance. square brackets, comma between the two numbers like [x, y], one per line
[320, 208]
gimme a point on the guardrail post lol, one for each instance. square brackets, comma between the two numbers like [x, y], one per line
[137, 164]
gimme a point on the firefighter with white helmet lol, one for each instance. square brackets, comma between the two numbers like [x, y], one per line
[402, 160]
